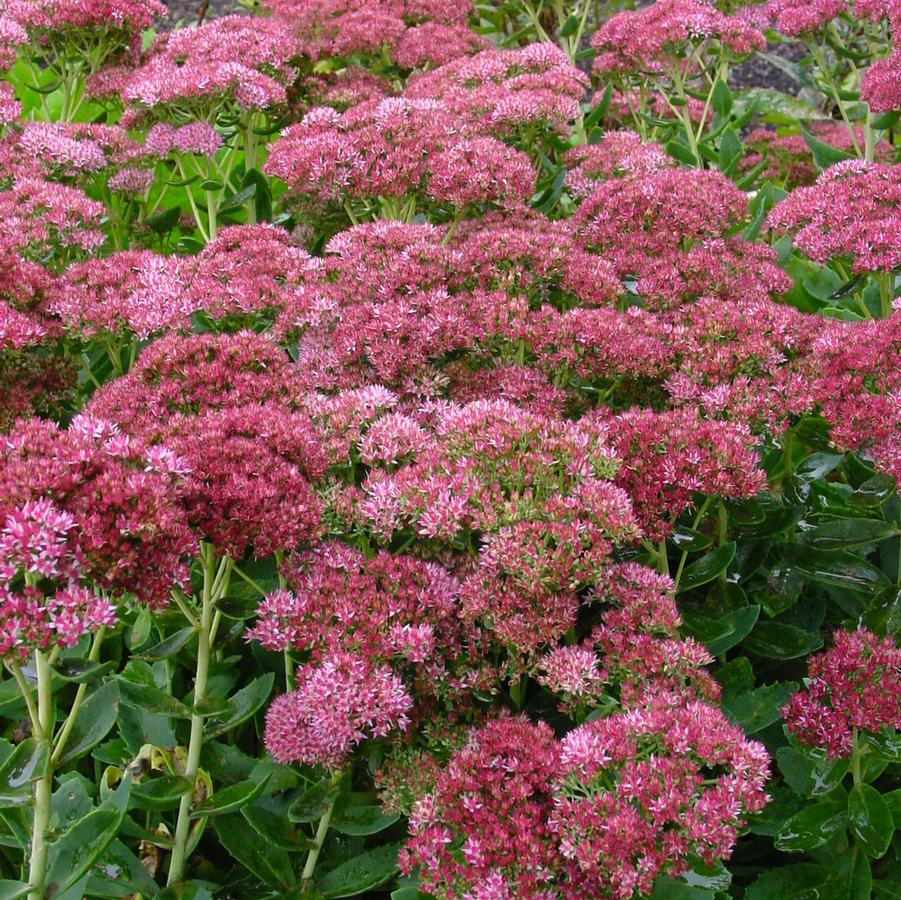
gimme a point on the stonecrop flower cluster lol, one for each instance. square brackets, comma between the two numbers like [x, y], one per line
[438, 441]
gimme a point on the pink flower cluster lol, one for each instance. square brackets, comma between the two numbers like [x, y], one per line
[853, 212]
[337, 705]
[618, 801]
[854, 686]
[123, 497]
[663, 36]
[232, 62]
[415, 34]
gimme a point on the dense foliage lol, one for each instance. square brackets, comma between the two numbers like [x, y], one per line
[450, 451]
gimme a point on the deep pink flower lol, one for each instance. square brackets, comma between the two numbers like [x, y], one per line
[854, 686]
[338, 704]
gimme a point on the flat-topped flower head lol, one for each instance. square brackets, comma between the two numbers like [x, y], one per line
[130, 527]
[851, 212]
[854, 686]
[339, 703]
[668, 33]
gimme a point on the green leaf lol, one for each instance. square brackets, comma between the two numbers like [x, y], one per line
[76, 850]
[707, 567]
[757, 709]
[600, 108]
[79, 671]
[238, 199]
[851, 878]
[230, 799]
[774, 640]
[688, 540]
[682, 153]
[27, 763]
[268, 816]
[813, 826]
[244, 704]
[362, 873]
[811, 774]
[893, 802]
[96, 717]
[787, 882]
[314, 802]
[262, 194]
[169, 646]
[730, 152]
[160, 794]
[10, 890]
[843, 534]
[870, 820]
[362, 820]
[269, 863]
[666, 888]
[152, 700]
[720, 635]
[570, 26]
[721, 99]
[841, 569]
[211, 185]
[824, 155]
[165, 221]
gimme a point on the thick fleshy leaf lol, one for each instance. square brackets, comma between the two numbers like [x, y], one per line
[230, 799]
[755, 710]
[707, 567]
[243, 704]
[270, 864]
[777, 641]
[813, 826]
[27, 763]
[844, 534]
[362, 873]
[146, 698]
[722, 634]
[787, 882]
[870, 820]
[96, 717]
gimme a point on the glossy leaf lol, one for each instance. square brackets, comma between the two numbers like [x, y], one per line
[755, 710]
[707, 567]
[362, 820]
[722, 634]
[160, 793]
[365, 872]
[777, 641]
[270, 864]
[152, 700]
[95, 719]
[76, 850]
[26, 764]
[788, 882]
[813, 826]
[230, 799]
[168, 647]
[844, 534]
[244, 704]
[870, 820]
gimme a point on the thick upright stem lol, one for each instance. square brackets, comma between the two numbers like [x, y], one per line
[37, 871]
[195, 744]
[321, 833]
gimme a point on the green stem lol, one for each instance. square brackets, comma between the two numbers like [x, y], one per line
[855, 757]
[37, 870]
[195, 744]
[63, 737]
[321, 832]
[27, 695]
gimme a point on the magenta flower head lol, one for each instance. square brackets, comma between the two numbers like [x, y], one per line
[339, 703]
[855, 686]
[851, 213]
[484, 830]
[123, 497]
[661, 37]
[640, 792]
